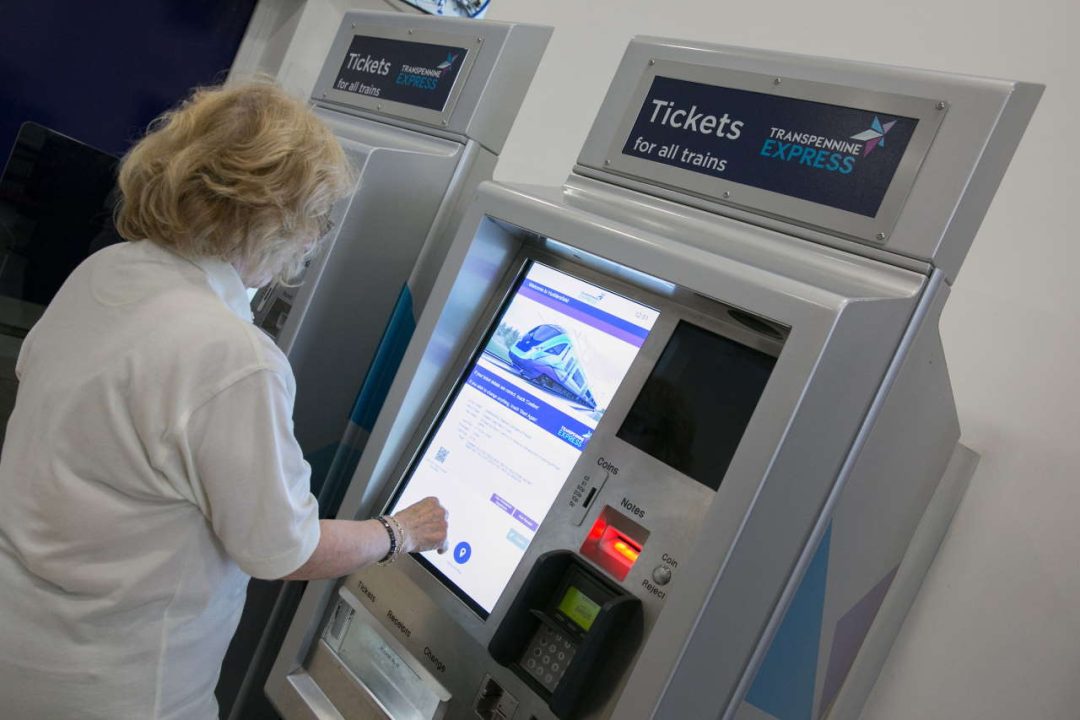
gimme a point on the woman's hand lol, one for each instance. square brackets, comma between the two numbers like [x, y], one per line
[425, 525]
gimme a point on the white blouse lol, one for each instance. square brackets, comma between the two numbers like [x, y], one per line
[149, 468]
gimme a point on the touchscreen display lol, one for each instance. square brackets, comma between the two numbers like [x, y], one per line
[695, 405]
[523, 411]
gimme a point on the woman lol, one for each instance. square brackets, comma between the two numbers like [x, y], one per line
[150, 467]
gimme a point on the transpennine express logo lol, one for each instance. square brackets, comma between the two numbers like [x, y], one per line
[874, 136]
[578, 441]
[825, 153]
[425, 78]
[447, 63]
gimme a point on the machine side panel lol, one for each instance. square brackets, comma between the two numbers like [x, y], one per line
[501, 96]
[986, 177]
[476, 165]
[380, 237]
[740, 599]
[920, 554]
[887, 493]
[882, 501]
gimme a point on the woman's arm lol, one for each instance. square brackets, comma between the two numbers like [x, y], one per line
[345, 546]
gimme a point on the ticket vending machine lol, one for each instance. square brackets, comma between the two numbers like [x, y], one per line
[690, 412]
[422, 106]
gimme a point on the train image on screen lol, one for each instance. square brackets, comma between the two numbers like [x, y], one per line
[545, 357]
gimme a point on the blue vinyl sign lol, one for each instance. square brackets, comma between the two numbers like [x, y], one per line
[413, 73]
[831, 155]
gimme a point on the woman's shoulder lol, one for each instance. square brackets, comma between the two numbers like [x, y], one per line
[203, 330]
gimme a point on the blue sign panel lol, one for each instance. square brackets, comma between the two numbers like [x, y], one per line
[837, 156]
[413, 73]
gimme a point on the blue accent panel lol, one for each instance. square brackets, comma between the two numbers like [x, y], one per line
[784, 686]
[387, 358]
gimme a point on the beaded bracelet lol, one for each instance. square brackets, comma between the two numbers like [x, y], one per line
[400, 532]
[391, 554]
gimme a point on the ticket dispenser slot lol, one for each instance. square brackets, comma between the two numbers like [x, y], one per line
[383, 671]
[562, 631]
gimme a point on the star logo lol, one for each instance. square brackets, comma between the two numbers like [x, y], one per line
[450, 58]
[874, 136]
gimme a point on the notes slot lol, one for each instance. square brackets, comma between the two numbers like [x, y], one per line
[614, 542]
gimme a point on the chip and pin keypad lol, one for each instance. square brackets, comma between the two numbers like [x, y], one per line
[547, 657]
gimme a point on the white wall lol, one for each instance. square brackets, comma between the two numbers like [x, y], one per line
[995, 633]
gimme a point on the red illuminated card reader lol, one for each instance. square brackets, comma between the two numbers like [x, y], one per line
[566, 633]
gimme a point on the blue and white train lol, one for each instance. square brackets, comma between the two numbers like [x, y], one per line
[545, 357]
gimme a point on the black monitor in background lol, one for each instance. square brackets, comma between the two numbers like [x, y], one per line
[56, 197]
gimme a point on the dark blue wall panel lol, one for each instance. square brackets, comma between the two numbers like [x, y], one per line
[100, 71]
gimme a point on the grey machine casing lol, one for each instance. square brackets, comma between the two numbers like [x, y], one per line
[416, 171]
[843, 483]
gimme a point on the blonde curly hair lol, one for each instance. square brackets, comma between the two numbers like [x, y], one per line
[245, 174]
